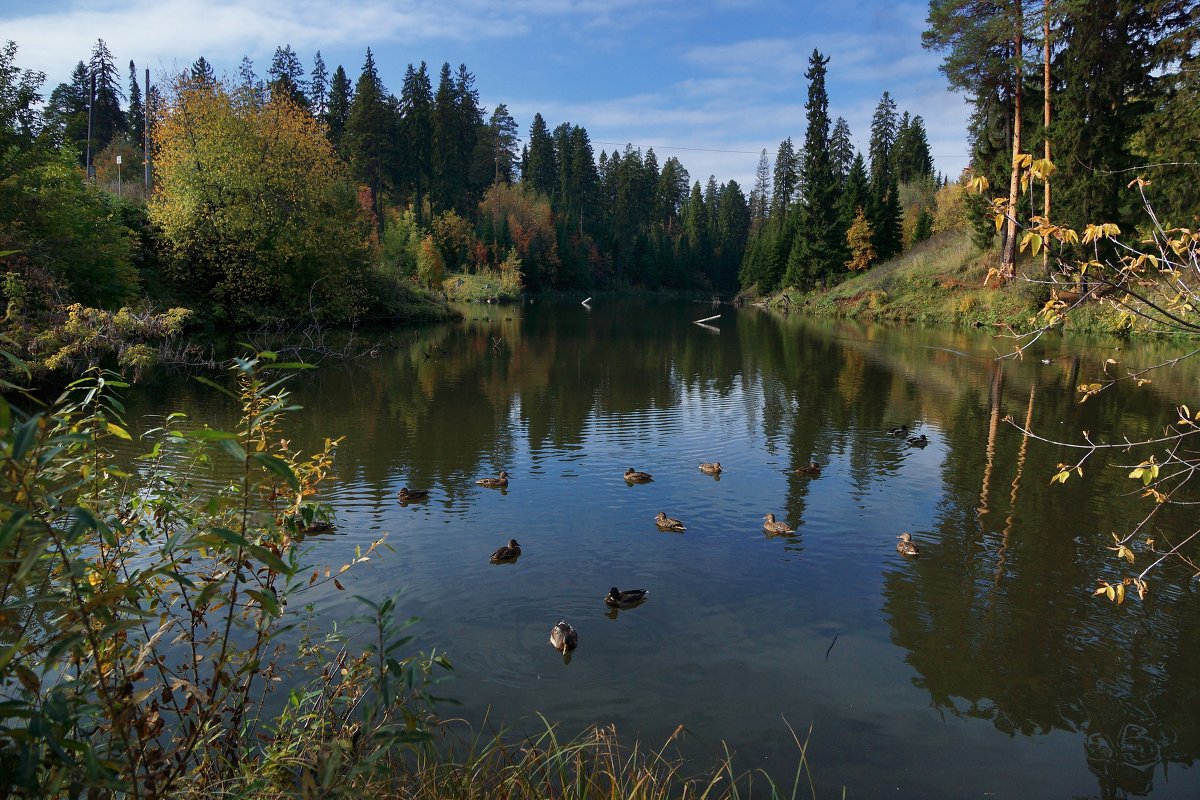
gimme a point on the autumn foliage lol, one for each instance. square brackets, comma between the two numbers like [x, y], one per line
[257, 213]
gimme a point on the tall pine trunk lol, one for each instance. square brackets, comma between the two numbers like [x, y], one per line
[1046, 127]
[1008, 254]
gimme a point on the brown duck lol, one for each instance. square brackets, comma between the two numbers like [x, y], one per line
[905, 546]
[628, 598]
[563, 637]
[711, 467]
[666, 523]
[508, 552]
[634, 476]
[773, 528]
[498, 482]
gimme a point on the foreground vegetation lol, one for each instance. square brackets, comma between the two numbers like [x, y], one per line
[146, 618]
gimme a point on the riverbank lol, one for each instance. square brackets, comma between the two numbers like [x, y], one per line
[944, 281]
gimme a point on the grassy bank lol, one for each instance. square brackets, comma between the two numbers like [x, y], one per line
[943, 281]
[482, 287]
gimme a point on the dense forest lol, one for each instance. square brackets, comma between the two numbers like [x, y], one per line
[303, 192]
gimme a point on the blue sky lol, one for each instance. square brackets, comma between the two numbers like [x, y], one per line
[711, 82]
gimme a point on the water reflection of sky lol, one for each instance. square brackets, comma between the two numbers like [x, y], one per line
[982, 668]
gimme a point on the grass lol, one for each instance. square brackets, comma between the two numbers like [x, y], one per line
[488, 286]
[594, 765]
[943, 281]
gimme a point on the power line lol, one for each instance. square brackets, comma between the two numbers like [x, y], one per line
[717, 150]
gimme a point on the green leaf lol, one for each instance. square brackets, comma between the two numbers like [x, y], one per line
[279, 467]
[267, 600]
[214, 385]
[226, 535]
[234, 449]
[210, 435]
[23, 437]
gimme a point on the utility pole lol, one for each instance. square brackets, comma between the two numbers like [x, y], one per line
[146, 108]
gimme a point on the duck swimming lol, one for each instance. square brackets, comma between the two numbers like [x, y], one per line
[809, 469]
[634, 476]
[898, 432]
[508, 552]
[624, 599]
[563, 637]
[666, 523]
[773, 528]
[918, 441]
[905, 546]
[406, 495]
[711, 467]
[498, 482]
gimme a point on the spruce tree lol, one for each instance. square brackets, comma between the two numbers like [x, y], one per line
[287, 76]
[371, 132]
[786, 178]
[318, 87]
[841, 148]
[819, 241]
[250, 89]
[416, 135]
[108, 120]
[542, 172]
[201, 73]
[883, 137]
[446, 166]
[760, 195]
[136, 115]
[338, 112]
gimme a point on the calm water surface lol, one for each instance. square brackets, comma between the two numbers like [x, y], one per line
[984, 668]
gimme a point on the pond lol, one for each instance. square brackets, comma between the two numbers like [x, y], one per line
[983, 667]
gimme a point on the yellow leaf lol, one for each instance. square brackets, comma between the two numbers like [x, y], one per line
[1120, 593]
[1111, 592]
[118, 431]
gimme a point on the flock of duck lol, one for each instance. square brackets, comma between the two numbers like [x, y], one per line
[563, 637]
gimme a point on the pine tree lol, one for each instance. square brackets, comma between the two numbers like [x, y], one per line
[819, 241]
[503, 136]
[136, 115]
[318, 87]
[338, 112]
[841, 148]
